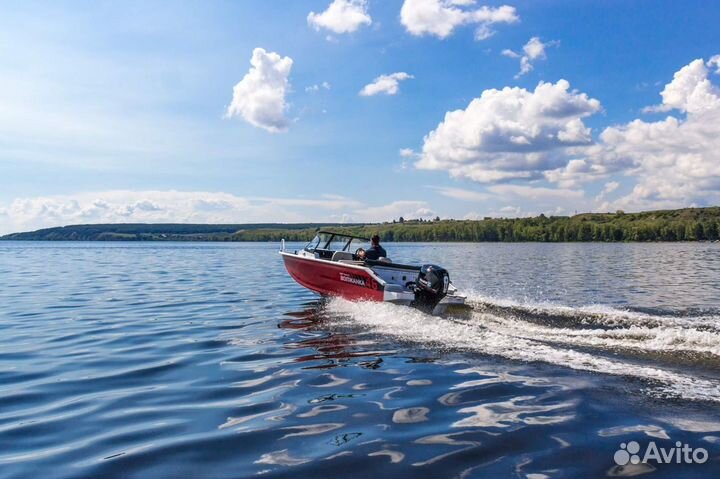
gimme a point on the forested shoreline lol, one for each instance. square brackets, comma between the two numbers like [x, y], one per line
[689, 224]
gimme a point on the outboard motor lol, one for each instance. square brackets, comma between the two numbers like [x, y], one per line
[431, 287]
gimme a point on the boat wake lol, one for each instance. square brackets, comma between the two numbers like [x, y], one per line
[671, 355]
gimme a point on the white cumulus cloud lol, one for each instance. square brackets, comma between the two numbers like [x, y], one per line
[690, 91]
[441, 17]
[576, 172]
[533, 50]
[385, 84]
[675, 162]
[341, 16]
[511, 133]
[259, 97]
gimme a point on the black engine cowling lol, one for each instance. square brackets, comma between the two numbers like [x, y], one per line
[431, 287]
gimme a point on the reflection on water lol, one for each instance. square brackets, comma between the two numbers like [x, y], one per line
[517, 410]
[167, 360]
[410, 415]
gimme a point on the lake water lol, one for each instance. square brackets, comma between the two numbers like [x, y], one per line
[154, 360]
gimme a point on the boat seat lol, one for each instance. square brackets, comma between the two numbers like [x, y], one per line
[342, 255]
[383, 259]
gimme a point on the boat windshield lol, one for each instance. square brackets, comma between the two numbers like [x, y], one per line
[335, 242]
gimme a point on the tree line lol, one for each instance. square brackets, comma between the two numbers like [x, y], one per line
[689, 224]
[692, 224]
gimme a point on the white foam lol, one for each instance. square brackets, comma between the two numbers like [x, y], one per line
[521, 340]
[598, 314]
[659, 339]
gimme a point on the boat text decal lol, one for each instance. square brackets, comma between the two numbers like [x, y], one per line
[352, 279]
[359, 280]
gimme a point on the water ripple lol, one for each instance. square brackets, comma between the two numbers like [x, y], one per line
[184, 360]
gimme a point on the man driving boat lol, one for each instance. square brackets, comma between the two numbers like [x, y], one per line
[375, 251]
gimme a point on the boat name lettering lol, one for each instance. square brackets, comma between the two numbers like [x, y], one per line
[353, 279]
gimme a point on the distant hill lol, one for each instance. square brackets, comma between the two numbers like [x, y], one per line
[688, 224]
[154, 231]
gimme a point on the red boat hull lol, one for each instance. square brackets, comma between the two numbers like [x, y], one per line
[334, 279]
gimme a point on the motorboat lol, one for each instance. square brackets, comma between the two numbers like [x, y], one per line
[332, 265]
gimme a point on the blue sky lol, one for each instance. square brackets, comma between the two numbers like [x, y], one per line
[124, 112]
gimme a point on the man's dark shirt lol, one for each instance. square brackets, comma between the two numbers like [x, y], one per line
[375, 252]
